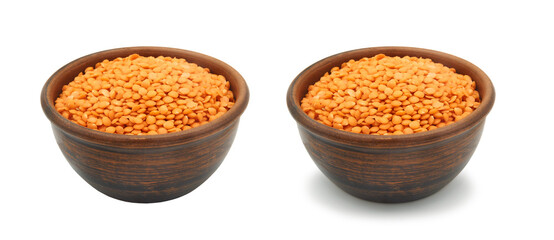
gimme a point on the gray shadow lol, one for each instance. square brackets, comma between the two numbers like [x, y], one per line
[450, 198]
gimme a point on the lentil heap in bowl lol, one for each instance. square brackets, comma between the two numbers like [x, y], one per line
[145, 95]
[384, 95]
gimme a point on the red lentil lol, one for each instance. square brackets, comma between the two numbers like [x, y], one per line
[385, 95]
[145, 95]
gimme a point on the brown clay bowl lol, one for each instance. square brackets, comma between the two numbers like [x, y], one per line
[397, 168]
[150, 168]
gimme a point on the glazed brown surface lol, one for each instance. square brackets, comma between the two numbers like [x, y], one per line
[396, 174]
[146, 174]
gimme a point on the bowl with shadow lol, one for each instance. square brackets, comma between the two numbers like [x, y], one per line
[391, 168]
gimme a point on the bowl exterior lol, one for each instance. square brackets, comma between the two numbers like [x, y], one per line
[392, 175]
[146, 175]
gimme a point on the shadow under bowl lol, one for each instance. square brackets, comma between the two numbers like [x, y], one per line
[394, 168]
[147, 168]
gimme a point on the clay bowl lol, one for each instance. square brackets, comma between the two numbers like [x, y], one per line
[145, 168]
[398, 168]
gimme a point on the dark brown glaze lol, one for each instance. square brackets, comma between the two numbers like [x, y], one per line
[145, 168]
[146, 175]
[391, 168]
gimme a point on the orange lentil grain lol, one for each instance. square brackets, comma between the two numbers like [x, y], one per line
[110, 129]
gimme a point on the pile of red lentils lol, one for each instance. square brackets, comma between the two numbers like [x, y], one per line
[139, 95]
[385, 95]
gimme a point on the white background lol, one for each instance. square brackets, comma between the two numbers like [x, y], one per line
[268, 187]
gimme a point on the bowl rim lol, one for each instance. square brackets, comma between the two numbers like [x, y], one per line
[389, 141]
[122, 140]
